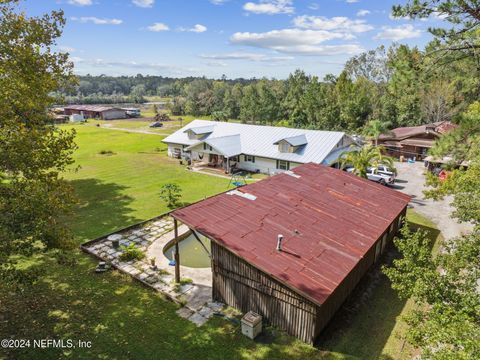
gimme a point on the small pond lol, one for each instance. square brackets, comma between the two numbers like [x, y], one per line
[192, 253]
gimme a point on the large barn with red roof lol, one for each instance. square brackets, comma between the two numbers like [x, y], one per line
[293, 247]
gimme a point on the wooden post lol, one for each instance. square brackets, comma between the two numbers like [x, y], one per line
[177, 253]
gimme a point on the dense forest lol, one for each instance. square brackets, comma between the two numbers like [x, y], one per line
[398, 86]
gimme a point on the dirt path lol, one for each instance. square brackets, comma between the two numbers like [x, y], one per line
[411, 181]
[138, 131]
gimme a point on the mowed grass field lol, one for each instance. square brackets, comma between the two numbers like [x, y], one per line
[122, 188]
[125, 320]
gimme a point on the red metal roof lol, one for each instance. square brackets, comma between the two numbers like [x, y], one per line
[436, 128]
[329, 219]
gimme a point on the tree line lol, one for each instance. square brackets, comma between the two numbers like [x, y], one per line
[122, 89]
[398, 86]
[401, 86]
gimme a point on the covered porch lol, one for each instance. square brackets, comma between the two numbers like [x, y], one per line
[218, 153]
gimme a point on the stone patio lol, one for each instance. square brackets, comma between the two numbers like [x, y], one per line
[151, 237]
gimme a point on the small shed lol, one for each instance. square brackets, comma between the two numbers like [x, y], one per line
[333, 227]
[102, 112]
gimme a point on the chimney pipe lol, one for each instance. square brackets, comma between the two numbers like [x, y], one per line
[279, 242]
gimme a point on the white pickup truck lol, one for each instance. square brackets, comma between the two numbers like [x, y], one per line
[381, 177]
[378, 176]
[385, 170]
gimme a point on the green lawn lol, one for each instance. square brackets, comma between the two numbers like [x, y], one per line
[121, 189]
[125, 320]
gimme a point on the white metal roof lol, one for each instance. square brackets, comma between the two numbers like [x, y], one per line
[260, 140]
[297, 140]
[200, 130]
[229, 145]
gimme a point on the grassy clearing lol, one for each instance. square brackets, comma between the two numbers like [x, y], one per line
[122, 188]
[125, 320]
[143, 124]
[157, 98]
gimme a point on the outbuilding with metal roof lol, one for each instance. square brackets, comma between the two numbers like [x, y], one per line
[102, 112]
[294, 246]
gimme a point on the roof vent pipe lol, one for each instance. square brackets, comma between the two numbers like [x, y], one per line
[279, 242]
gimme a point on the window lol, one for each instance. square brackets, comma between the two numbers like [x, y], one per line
[249, 158]
[177, 153]
[191, 135]
[283, 165]
[284, 146]
[205, 146]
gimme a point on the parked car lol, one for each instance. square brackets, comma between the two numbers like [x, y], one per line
[156, 124]
[385, 170]
[374, 175]
[384, 179]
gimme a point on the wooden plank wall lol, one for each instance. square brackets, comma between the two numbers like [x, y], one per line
[239, 284]
[341, 293]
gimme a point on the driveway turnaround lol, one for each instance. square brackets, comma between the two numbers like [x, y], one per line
[411, 180]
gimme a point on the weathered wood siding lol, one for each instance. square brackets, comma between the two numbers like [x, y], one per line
[239, 284]
[341, 293]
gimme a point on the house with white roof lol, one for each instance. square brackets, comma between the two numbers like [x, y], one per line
[256, 148]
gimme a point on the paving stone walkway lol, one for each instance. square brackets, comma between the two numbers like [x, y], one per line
[198, 306]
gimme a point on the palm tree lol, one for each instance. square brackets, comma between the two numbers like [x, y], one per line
[363, 158]
[374, 128]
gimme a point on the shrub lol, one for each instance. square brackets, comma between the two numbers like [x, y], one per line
[66, 258]
[106, 152]
[131, 252]
[170, 193]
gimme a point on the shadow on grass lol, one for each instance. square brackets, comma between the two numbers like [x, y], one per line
[103, 208]
[123, 320]
[364, 324]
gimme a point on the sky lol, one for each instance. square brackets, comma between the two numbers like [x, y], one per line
[238, 38]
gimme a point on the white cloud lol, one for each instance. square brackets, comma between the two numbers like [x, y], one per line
[68, 49]
[198, 28]
[129, 67]
[97, 21]
[80, 2]
[337, 23]
[296, 41]
[218, 2]
[76, 59]
[363, 12]
[398, 33]
[439, 16]
[314, 6]
[270, 7]
[216, 63]
[247, 56]
[351, 1]
[143, 3]
[157, 27]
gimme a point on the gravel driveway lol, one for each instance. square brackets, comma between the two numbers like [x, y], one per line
[411, 181]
